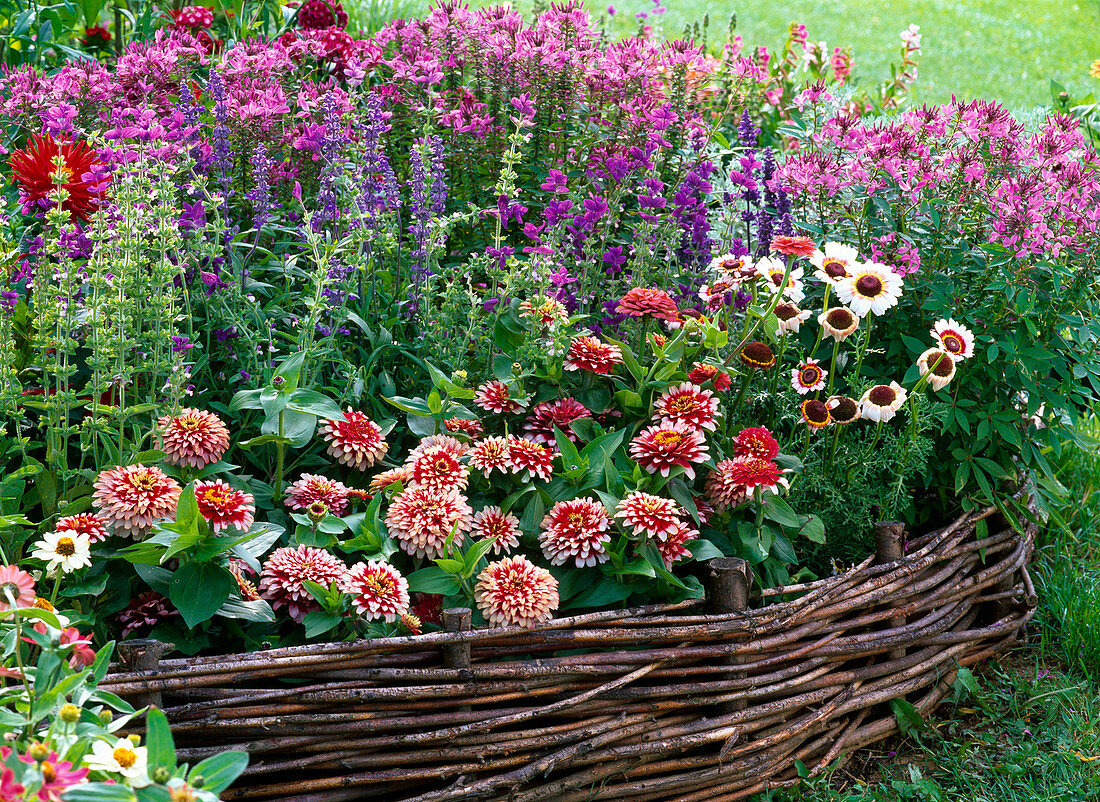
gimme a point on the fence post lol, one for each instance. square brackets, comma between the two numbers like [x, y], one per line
[728, 582]
[457, 655]
[144, 654]
[890, 546]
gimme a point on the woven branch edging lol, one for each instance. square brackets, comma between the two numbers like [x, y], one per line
[666, 702]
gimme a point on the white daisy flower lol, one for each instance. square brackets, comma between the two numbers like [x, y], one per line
[132, 762]
[838, 322]
[790, 317]
[938, 366]
[883, 401]
[870, 288]
[68, 549]
[772, 270]
[954, 338]
[834, 261]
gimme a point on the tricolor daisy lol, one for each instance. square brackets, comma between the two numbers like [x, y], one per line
[355, 440]
[938, 366]
[881, 402]
[377, 589]
[490, 454]
[85, 524]
[282, 580]
[588, 353]
[575, 530]
[193, 439]
[660, 448]
[530, 459]
[501, 527]
[870, 288]
[311, 489]
[688, 403]
[808, 377]
[838, 322]
[515, 592]
[772, 271]
[834, 261]
[954, 338]
[643, 302]
[224, 506]
[734, 269]
[649, 515]
[421, 520]
[815, 414]
[130, 498]
[755, 441]
[540, 424]
[495, 396]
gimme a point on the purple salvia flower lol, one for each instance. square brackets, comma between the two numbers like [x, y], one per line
[260, 195]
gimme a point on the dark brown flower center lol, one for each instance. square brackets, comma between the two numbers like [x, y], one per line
[810, 375]
[758, 355]
[834, 268]
[840, 318]
[786, 311]
[882, 395]
[869, 286]
[815, 412]
[953, 343]
[944, 368]
[844, 410]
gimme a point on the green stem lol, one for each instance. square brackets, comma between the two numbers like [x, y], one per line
[832, 368]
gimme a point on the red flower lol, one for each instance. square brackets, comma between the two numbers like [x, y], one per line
[225, 507]
[428, 608]
[732, 480]
[757, 442]
[496, 397]
[640, 302]
[498, 526]
[378, 590]
[390, 477]
[540, 424]
[355, 440]
[131, 497]
[197, 17]
[320, 14]
[575, 530]
[471, 428]
[491, 453]
[702, 372]
[82, 175]
[193, 439]
[588, 353]
[515, 592]
[672, 548]
[311, 489]
[530, 459]
[660, 448]
[84, 524]
[421, 520]
[688, 404]
[439, 469]
[793, 246]
[145, 612]
[287, 569]
[650, 515]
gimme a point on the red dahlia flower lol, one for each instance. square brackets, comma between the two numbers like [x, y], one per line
[82, 176]
[224, 506]
[755, 441]
[355, 440]
[575, 530]
[662, 447]
[282, 581]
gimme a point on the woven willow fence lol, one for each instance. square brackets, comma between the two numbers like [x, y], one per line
[703, 700]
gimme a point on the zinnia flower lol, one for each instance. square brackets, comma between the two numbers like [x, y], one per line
[438, 469]
[144, 612]
[757, 355]
[282, 581]
[660, 448]
[132, 762]
[501, 527]
[838, 322]
[673, 547]
[489, 455]
[701, 372]
[755, 441]
[842, 409]
[809, 377]
[311, 488]
[471, 428]
[65, 550]
[546, 311]
[57, 775]
[377, 589]
[85, 523]
[790, 317]
[82, 176]
[732, 481]
[881, 402]
[495, 397]
[355, 441]
[381, 481]
[870, 288]
[131, 497]
[938, 366]
[193, 439]
[834, 261]
[530, 458]
[452, 445]
[688, 403]
[224, 506]
[421, 519]
[814, 414]
[793, 246]
[16, 588]
[515, 592]
[588, 353]
[575, 530]
[540, 424]
[650, 515]
[643, 302]
[954, 338]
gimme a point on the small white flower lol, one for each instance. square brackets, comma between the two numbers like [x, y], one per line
[870, 288]
[69, 550]
[882, 401]
[772, 270]
[939, 367]
[954, 338]
[132, 762]
[834, 261]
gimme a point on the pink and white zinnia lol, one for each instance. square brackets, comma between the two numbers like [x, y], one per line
[377, 589]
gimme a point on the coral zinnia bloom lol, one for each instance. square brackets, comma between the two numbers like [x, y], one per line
[793, 246]
[659, 448]
[471, 428]
[809, 377]
[286, 570]
[16, 588]
[882, 401]
[391, 477]
[732, 480]
[755, 441]
[546, 311]
[815, 414]
[672, 548]
[193, 439]
[145, 612]
[489, 455]
[224, 506]
[501, 527]
[83, 177]
[355, 441]
[540, 424]
[838, 322]
[643, 302]
[516, 592]
[85, 524]
[688, 403]
[438, 469]
[834, 261]
[378, 590]
[939, 367]
[421, 519]
[575, 530]
[495, 396]
[870, 288]
[649, 515]
[131, 497]
[311, 488]
[954, 338]
[65, 550]
[530, 458]
[588, 353]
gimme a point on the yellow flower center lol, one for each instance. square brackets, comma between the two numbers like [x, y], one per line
[214, 495]
[66, 547]
[681, 404]
[381, 584]
[667, 438]
[48, 773]
[145, 481]
[124, 757]
[189, 424]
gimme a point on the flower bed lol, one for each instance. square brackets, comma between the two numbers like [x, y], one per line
[696, 700]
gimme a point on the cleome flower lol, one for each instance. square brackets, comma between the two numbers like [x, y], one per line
[881, 402]
[311, 488]
[194, 438]
[495, 396]
[588, 353]
[355, 440]
[421, 519]
[224, 506]
[870, 288]
[688, 403]
[501, 527]
[286, 570]
[575, 530]
[514, 591]
[660, 448]
[378, 590]
[130, 498]
[649, 515]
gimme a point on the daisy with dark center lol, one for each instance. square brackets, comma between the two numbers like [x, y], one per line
[438, 469]
[833, 262]
[756, 441]
[954, 338]
[649, 515]
[814, 414]
[881, 402]
[773, 271]
[224, 506]
[843, 410]
[516, 592]
[194, 438]
[544, 417]
[502, 528]
[790, 317]
[491, 454]
[588, 353]
[870, 289]
[575, 531]
[937, 368]
[660, 448]
[644, 302]
[757, 355]
[735, 269]
[496, 396]
[378, 590]
[717, 295]
[838, 322]
[530, 459]
[793, 246]
[808, 377]
[81, 177]
[355, 440]
[421, 520]
[688, 403]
